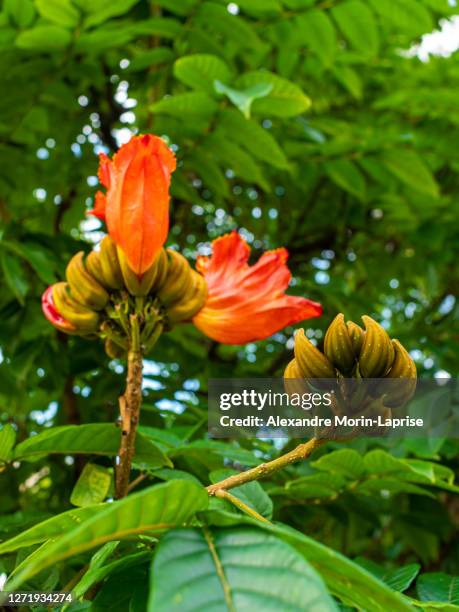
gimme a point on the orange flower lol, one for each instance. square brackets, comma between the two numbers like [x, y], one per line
[247, 303]
[53, 315]
[136, 205]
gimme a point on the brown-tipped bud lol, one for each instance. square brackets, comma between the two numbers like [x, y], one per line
[356, 335]
[399, 392]
[110, 264]
[377, 352]
[190, 303]
[338, 346]
[178, 281]
[85, 320]
[84, 287]
[310, 361]
[114, 350]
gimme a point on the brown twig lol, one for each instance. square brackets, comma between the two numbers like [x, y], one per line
[301, 452]
[130, 404]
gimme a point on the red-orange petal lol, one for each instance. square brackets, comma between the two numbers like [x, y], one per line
[248, 303]
[100, 204]
[136, 206]
[52, 314]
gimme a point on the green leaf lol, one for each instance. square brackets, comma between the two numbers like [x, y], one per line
[257, 140]
[110, 8]
[230, 27]
[51, 528]
[408, 167]
[44, 38]
[251, 493]
[93, 485]
[209, 171]
[407, 16]
[357, 22]
[232, 569]
[399, 578]
[438, 586]
[35, 255]
[155, 509]
[7, 440]
[14, 276]
[22, 12]
[179, 7]
[187, 104]
[94, 439]
[61, 12]
[201, 70]
[316, 30]
[153, 57]
[232, 156]
[349, 79]
[345, 579]
[346, 175]
[260, 8]
[346, 462]
[97, 571]
[284, 100]
[244, 99]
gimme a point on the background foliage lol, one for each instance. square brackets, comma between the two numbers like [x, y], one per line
[309, 124]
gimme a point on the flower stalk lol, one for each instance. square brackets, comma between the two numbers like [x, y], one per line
[130, 403]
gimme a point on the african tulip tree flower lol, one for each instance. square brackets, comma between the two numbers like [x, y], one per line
[247, 303]
[136, 204]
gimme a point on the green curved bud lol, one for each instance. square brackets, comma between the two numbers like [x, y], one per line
[338, 346]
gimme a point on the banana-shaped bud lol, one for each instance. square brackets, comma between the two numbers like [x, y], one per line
[377, 352]
[94, 267]
[310, 361]
[356, 335]
[114, 350]
[293, 379]
[190, 303]
[110, 265]
[338, 346]
[399, 392]
[84, 319]
[178, 281]
[85, 289]
[138, 285]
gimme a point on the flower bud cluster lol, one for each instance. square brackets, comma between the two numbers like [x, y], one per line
[103, 297]
[350, 351]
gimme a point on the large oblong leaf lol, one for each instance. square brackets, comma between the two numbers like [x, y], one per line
[199, 71]
[93, 439]
[232, 569]
[155, 509]
[285, 99]
[51, 528]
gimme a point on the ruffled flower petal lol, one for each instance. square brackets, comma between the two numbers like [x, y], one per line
[248, 303]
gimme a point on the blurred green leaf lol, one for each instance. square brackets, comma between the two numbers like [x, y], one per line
[358, 24]
[44, 38]
[408, 167]
[61, 12]
[92, 486]
[201, 70]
